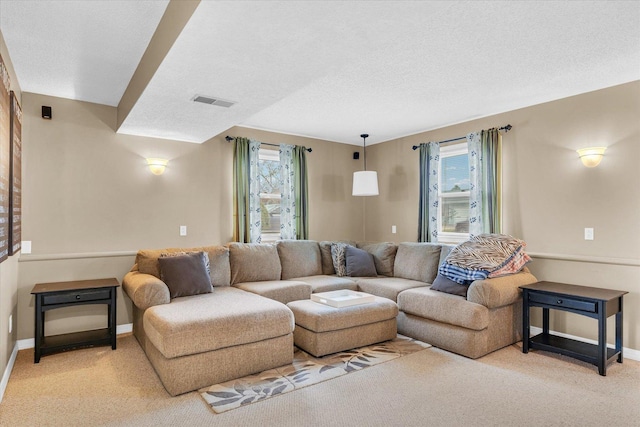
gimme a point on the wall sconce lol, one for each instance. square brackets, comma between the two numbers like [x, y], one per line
[157, 166]
[591, 156]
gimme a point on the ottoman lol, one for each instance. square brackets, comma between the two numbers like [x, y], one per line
[321, 329]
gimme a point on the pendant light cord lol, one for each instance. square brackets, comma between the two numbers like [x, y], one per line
[364, 137]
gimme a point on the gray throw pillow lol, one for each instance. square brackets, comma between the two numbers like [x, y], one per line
[339, 259]
[207, 264]
[444, 284]
[185, 275]
[359, 262]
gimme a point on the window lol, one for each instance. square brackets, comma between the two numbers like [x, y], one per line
[453, 197]
[270, 194]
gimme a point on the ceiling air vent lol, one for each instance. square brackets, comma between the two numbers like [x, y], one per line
[213, 101]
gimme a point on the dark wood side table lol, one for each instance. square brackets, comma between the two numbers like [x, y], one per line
[596, 303]
[50, 296]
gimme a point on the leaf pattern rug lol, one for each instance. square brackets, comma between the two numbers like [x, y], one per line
[305, 370]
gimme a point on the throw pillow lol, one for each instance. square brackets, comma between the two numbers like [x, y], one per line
[359, 262]
[325, 254]
[384, 256]
[446, 285]
[339, 259]
[185, 275]
[207, 264]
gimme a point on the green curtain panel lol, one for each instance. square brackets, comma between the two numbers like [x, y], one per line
[490, 146]
[301, 192]
[241, 174]
[484, 177]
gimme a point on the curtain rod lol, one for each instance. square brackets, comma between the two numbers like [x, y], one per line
[231, 138]
[506, 128]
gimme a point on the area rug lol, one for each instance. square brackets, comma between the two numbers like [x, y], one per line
[305, 370]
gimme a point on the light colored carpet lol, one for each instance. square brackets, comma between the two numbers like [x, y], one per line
[431, 387]
[305, 370]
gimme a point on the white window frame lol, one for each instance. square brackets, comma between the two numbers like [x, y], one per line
[449, 151]
[269, 155]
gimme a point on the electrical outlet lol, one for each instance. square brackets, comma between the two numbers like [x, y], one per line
[183, 230]
[393, 229]
[588, 234]
[10, 323]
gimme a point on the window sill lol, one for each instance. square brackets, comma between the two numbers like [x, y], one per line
[270, 237]
[452, 238]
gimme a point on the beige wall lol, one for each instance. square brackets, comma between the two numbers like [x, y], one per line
[87, 192]
[549, 197]
[9, 268]
[88, 195]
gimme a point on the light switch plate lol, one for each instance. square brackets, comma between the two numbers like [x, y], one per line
[25, 247]
[183, 230]
[393, 229]
[588, 234]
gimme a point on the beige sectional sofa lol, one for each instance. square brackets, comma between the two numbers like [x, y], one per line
[243, 326]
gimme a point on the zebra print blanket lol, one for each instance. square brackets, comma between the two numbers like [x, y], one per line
[482, 256]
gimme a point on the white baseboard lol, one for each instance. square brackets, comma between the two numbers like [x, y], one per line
[628, 353]
[7, 371]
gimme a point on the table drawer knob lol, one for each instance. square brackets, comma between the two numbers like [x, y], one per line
[559, 301]
[77, 296]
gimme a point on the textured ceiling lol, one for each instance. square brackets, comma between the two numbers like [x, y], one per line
[79, 50]
[328, 70]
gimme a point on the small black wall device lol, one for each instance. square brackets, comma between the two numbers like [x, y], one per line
[356, 155]
[46, 112]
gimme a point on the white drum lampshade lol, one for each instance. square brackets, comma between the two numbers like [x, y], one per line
[365, 183]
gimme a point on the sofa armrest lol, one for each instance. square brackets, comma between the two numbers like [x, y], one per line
[499, 291]
[145, 290]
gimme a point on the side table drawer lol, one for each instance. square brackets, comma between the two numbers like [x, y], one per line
[563, 302]
[69, 297]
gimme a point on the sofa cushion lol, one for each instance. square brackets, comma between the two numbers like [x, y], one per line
[185, 274]
[384, 255]
[324, 283]
[387, 287]
[299, 258]
[318, 317]
[253, 262]
[417, 261]
[446, 308]
[325, 253]
[446, 285]
[283, 291]
[213, 321]
[359, 263]
[220, 270]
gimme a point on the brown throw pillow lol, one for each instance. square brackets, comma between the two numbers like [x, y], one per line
[359, 262]
[444, 284]
[185, 275]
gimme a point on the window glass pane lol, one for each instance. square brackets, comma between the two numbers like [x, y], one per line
[455, 173]
[455, 214]
[270, 194]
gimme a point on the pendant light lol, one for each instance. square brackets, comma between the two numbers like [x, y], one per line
[365, 183]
